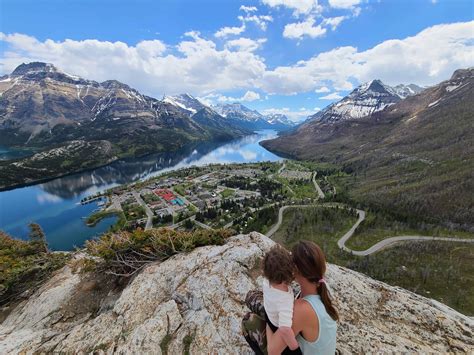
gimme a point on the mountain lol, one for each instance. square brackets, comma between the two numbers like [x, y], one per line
[219, 125]
[414, 158]
[244, 117]
[364, 100]
[39, 102]
[194, 303]
[45, 108]
[187, 103]
[279, 121]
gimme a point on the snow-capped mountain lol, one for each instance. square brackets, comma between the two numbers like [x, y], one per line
[185, 102]
[407, 90]
[279, 120]
[239, 111]
[41, 104]
[366, 99]
[246, 118]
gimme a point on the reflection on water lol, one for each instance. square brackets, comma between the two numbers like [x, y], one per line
[54, 204]
[7, 153]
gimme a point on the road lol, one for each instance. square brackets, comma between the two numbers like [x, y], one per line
[282, 168]
[404, 238]
[280, 217]
[316, 186]
[149, 212]
[192, 218]
[341, 243]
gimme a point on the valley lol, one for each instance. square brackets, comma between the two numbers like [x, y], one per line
[414, 157]
[262, 197]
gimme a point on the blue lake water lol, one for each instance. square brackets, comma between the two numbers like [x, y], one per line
[54, 204]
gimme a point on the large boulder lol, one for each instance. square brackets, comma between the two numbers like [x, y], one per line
[195, 302]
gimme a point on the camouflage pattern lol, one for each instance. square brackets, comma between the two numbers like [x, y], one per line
[254, 302]
[253, 324]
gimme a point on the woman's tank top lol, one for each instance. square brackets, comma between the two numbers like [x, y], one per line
[326, 341]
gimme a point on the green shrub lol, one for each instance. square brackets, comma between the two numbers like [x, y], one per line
[25, 264]
[125, 253]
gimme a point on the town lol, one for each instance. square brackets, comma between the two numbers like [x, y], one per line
[213, 196]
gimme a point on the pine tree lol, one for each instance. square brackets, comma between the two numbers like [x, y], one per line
[38, 237]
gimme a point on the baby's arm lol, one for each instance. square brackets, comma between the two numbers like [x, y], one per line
[285, 320]
[289, 337]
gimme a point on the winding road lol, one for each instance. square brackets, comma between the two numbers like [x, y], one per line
[316, 186]
[341, 243]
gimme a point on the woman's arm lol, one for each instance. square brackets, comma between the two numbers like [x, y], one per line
[275, 343]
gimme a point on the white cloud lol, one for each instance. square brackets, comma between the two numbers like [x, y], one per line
[300, 29]
[425, 59]
[332, 96]
[198, 66]
[299, 6]
[322, 90]
[248, 8]
[344, 4]
[250, 96]
[226, 31]
[356, 11]
[259, 20]
[245, 44]
[213, 98]
[333, 22]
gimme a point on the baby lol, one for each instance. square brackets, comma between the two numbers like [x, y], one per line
[278, 295]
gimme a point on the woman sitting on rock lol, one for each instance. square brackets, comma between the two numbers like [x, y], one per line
[314, 316]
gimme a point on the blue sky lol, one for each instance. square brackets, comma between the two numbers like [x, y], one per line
[292, 56]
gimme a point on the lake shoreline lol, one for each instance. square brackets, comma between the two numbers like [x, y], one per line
[92, 168]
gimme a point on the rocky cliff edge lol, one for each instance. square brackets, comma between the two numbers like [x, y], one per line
[195, 302]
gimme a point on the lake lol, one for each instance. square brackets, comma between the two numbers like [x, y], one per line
[55, 204]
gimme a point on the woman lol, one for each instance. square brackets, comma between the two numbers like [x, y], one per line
[314, 316]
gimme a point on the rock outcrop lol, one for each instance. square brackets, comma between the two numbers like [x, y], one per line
[195, 302]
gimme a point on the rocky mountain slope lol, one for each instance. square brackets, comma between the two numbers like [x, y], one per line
[244, 117]
[366, 99]
[194, 302]
[414, 158]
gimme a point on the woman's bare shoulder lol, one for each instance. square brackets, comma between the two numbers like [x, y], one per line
[301, 306]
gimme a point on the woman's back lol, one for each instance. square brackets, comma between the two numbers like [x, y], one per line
[326, 341]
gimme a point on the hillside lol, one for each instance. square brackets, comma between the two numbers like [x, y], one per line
[194, 302]
[414, 158]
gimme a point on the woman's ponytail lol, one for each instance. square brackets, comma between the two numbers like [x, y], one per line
[327, 301]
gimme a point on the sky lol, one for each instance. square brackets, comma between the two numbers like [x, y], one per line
[276, 56]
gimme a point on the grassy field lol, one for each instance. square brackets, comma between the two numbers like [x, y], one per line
[96, 217]
[440, 270]
[227, 193]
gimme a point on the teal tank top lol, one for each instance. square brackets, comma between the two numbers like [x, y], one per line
[326, 342]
